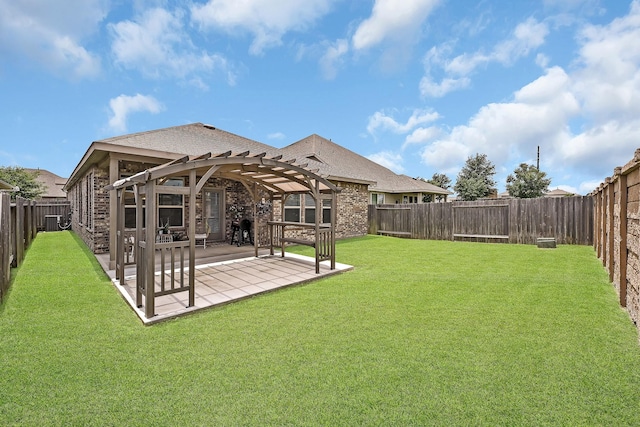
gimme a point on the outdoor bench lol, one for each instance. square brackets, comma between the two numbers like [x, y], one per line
[395, 233]
[482, 236]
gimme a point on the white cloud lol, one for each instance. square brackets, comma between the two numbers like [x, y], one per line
[430, 88]
[422, 135]
[389, 160]
[445, 155]
[391, 19]
[526, 37]
[609, 80]
[332, 58]
[380, 120]
[124, 105]
[266, 21]
[276, 135]
[51, 33]
[157, 45]
[538, 115]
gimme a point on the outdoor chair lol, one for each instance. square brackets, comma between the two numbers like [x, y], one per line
[200, 237]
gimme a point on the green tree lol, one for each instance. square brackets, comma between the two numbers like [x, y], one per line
[527, 182]
[30, 188]
[475, 180]
[440, 180]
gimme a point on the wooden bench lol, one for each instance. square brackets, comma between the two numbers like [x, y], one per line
[298, 241]
[395, 233]
[481, 236]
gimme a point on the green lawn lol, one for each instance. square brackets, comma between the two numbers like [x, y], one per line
[420, 333]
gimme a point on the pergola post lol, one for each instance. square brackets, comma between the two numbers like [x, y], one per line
[150, 252]
[318, 200]
[140, 252]
[120, 236]
[192, 234]
[334, 217]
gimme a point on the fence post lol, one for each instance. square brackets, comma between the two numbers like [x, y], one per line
[622, 250]
[5, 244]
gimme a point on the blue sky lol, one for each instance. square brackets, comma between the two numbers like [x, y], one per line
[416, 85]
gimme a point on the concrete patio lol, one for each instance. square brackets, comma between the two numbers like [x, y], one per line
[224, 274]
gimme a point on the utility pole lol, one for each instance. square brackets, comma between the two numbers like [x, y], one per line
[538, 162]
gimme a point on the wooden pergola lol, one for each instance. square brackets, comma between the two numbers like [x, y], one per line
[278, 178]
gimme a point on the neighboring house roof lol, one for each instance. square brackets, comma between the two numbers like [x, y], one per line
[52, 182]
[558, 193]
[339, 163]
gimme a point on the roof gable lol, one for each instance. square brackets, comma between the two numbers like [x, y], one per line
[340, 162]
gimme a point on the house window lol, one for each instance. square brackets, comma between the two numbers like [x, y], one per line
[310, 210]
[377, 199]
[171, 206]
[90, 196]
[130, 209]
[326, 211]
[80, 202]
[292, 208]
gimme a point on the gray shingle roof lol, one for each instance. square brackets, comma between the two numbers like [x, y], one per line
[332, 160]
[52, 182]
[336, 161]
[193, 139]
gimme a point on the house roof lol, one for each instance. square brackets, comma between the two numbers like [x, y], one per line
[51, 181]
[339, 163]
[332, 160]
[558, 192]
[169, 144]
[191, 139]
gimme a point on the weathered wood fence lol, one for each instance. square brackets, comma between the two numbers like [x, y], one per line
[567, 219]
[51, 210]
[617, 232]
[17, 231]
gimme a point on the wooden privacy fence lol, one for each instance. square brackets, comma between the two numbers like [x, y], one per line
[49, 213]
[567, 219]
[617, 232]
[17, 231]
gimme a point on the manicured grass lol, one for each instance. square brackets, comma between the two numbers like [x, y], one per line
[420, 333]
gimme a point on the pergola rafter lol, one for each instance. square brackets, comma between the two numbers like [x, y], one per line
[275, 176]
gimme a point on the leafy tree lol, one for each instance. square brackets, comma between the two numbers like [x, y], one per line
[527, 182]
[30, 188]
[475, 180]
[440, 180]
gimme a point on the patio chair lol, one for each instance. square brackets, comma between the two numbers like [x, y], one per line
[200, 236]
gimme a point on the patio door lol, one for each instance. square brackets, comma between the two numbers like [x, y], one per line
[213, 213]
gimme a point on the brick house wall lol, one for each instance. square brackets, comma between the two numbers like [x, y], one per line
[91, 216]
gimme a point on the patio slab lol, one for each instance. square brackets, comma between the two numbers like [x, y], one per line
[222, 282]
